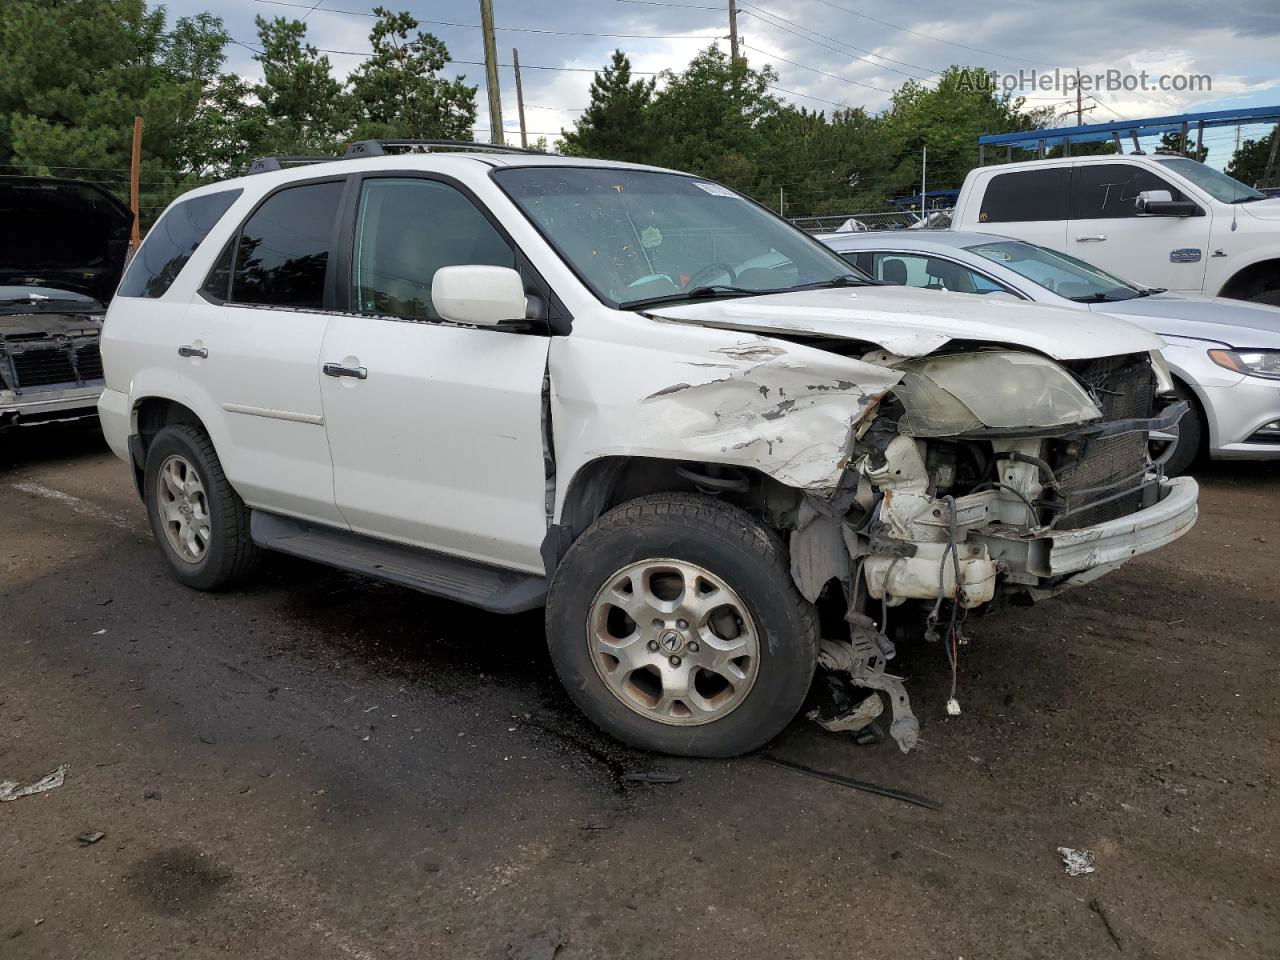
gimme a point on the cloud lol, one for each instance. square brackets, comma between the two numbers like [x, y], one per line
[845, 52]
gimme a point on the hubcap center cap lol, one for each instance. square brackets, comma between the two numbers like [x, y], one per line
[671, 641]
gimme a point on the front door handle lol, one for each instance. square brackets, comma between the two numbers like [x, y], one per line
[186, 350]
[1091, 237]
[338, 370]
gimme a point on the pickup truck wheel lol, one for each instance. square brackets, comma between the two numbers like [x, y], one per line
[200, 523]
[1269, 297]
[675, 626]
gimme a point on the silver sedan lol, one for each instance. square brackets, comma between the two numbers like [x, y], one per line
[1224, 354]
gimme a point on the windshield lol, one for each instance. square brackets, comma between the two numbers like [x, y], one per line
[46, 298]
[638, 237]
[1064, 275]
[1213, 182]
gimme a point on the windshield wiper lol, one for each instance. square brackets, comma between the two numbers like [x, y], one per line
[711, 292]
[1099, 298]
[843, 280]
[1149, 291]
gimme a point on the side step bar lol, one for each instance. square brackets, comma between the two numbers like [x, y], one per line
[477, 584]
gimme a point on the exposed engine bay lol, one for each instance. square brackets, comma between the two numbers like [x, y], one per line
[985, 475]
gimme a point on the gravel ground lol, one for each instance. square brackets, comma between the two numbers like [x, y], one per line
[320, 766]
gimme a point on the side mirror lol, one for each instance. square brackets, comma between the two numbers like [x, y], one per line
[1160, 203]
[477, 295]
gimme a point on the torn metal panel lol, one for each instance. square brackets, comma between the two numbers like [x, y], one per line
[791, 418]
[710, 396]
[818, 555]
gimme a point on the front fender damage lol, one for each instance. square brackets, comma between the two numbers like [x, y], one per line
[789, 412]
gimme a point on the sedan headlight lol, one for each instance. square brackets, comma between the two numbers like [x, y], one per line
[1252, 363]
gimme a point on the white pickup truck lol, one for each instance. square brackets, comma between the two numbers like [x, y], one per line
[1164, 221]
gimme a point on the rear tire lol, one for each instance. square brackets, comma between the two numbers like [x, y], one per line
[675, 626]
[1270, 298]
[199, 521]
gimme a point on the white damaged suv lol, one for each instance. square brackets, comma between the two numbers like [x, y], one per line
[716, 455]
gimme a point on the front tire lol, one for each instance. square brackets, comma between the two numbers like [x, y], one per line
[675, 626]
[1190, 442]
[199, 521]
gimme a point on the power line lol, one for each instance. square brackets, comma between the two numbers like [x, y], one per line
[468, 63]
[926, 36]
[476, 26]
[754, 11]
[802, 66]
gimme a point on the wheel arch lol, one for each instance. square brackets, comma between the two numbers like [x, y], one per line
[601, 484]
[1208, 434]
[1253, 279]
[151, 415]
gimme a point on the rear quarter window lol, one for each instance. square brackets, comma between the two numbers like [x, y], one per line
[1027, 195]
[172, 241]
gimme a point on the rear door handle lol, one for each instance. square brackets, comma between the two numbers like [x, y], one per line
[1091, 237]
[186, 350]
[338, 370]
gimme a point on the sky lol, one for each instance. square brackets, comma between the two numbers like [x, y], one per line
[827, 53]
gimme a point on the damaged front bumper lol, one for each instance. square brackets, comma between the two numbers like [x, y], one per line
[1058, 553]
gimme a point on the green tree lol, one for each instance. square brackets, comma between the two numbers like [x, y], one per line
[398, 92]
[1171, 143]
[710, 119]
[305, 110]
[614, 125]
[77, 72]
[948, 118]
[1249, 163]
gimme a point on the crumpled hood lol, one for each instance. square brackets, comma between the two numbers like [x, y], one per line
[62, 233]
[1236, 323]
[913, 323]
[1263, 209]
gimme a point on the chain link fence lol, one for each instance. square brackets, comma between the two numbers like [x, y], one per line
[857, 222]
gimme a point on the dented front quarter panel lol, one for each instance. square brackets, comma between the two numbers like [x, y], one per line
[671, 391]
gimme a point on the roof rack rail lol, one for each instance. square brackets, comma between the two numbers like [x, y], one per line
[269, 164]
[379, 148]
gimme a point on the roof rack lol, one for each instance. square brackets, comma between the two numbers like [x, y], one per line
[379, 148]
[268, 164]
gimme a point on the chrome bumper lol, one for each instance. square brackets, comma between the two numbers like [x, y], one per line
[47, 402]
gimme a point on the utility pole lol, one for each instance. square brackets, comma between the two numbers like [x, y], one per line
[1270, 174]
[135, 169]
[924, 169]
[1079, 101]
[491, 72]
[733, 30]
[515, 62]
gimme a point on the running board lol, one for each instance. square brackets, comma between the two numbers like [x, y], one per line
[466, 581]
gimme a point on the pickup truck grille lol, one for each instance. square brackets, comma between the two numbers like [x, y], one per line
[1124, 388]
[57, 363]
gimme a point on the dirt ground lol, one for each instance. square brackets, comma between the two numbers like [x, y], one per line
[323, 767]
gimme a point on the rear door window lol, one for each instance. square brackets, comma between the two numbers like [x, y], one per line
[1025, 196]
[284, 249]
[1109, 191]
[172, 241]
